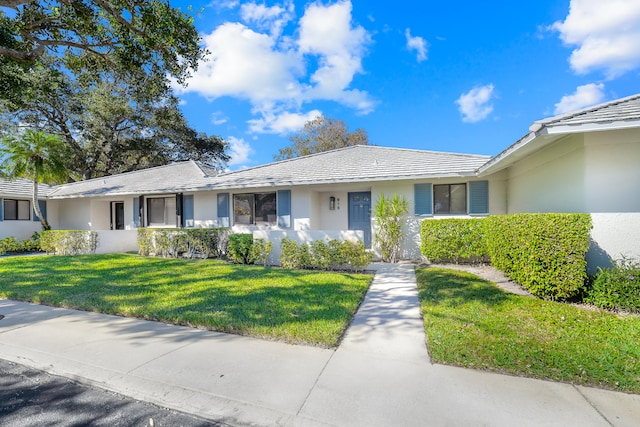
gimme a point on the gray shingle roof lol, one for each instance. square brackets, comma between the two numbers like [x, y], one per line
[171, 178]
[360, 163]
[619, 110]
[21, 188]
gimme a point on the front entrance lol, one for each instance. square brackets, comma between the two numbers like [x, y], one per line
[117, 215]
[360, 214]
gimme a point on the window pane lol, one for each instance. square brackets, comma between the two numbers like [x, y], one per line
[458, 199]
[156, 211]
[10, 209]
[243, 209]
[266, 208]
[441, 199]
[23, 210]
[170, 211]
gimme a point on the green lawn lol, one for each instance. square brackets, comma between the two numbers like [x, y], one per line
[309, 307]
[472, 323]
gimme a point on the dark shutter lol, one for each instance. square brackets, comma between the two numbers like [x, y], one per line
[187, 211]
[1, 210]
[141, 211]
[284, 208]
[42, 204]
[423, 199]
[179, 220]
[479, 197]
[223, 210]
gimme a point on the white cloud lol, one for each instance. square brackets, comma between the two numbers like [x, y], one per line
[218, 118]
[276, 73]
[327, 32]
[418, 44]
[239, 151]
[281, 123]
[584, 96]
[272, 18]
[605, 34]
[475, 105]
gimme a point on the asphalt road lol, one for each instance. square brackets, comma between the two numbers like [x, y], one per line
[29, 397]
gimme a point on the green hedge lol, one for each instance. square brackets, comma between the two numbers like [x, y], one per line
[331, 255]
[545, 253]
[618, 287]
[69, 242]
[454, 240]
[10, 244]
[191, 242]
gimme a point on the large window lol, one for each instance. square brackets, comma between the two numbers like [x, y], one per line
[161, 211]
[450, 199]
[17, 210]
[254, 209]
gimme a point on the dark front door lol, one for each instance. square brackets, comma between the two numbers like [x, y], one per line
[117, 215]
[360, 214]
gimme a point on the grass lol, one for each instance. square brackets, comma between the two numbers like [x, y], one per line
[470, 322]
[309, 307]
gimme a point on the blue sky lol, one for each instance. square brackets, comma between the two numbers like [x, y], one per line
[465, 77]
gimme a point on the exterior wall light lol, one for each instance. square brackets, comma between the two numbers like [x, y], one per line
[332, 203]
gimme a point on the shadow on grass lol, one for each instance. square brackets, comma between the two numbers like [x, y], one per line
[454, 288]
[295, 306]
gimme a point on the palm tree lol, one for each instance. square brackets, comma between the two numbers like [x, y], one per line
[37, 156]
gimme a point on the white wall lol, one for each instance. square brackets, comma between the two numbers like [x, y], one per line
[205, 205]
[110, 241]
[594, 173]
[74, 214]
[21, 230]
[550, 180]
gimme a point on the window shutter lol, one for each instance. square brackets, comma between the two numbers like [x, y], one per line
[136, 212]
[42, 204]
[479, 197]
[187, 210]
[223, 210]
[1, 210]
[423, 199]
[284, 208]
[179, 208]
[140, 211]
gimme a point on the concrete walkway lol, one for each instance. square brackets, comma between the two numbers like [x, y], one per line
[379, 376]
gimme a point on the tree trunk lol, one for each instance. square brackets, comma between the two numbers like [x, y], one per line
[36, 207]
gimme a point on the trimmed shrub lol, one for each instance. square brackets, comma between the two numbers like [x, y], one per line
[10, 244]
[326, 256]
[260, 251]
[239, 249]
[69, 242]
[189, 243]
[617, 288]
[454, 240]
[545, 253]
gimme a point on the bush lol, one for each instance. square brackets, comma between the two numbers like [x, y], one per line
[617, 288]
[326, 256]
[239, 249]
[10, 244]
[545, 253]
[260, 251]
[69, 242]
[390, 217]
[454, 240]
[190, 243]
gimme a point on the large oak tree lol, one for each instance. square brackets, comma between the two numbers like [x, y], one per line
[321, 134]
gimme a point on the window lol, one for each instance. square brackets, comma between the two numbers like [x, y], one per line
[254, 209]
[19, 210]
[450, 199]
[161, 211]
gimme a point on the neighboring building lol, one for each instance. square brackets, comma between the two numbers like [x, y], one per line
[585, 161]
[17, 217]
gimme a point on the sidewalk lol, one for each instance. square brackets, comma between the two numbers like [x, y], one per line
[379, 376]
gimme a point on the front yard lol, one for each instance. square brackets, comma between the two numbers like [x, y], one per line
[309, 307]
[470, 322]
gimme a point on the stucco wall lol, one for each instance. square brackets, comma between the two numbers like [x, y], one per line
[550, 180]
[110, 241]
[595, 173]
[74, 214]
[21, 230]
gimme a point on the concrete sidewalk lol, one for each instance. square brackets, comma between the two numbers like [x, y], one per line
[379, 376]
